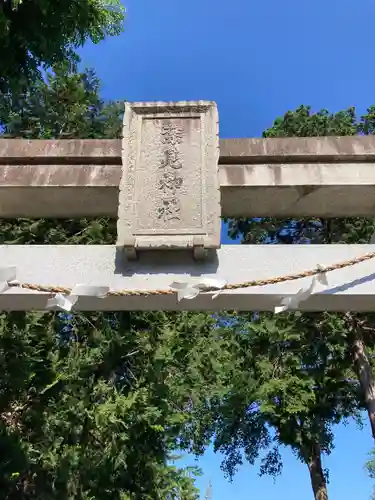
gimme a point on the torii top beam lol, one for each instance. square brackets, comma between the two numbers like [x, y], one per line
[316, 176]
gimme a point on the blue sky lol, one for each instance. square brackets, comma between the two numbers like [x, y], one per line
[256, 59]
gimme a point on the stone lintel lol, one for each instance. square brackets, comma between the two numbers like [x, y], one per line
[350, 288]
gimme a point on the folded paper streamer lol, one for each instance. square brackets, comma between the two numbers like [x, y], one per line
[66, 302]
[7, 274]
[293, 301]
[187, 290]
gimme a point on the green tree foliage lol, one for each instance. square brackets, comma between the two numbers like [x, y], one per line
[92, 405]
[42, 33]
[371, 470]
[95, 411]
[296, 375]
[357, 330]
[66, 104]
[282, 390]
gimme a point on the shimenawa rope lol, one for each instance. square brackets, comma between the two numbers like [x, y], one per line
[236, 286]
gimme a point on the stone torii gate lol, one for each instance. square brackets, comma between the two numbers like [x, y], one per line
[169, 184]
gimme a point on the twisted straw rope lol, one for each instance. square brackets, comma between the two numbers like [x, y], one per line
[236, 286]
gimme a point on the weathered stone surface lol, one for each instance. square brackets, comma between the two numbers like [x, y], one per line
[317, 176]
[350, 288]
[298, 150]
[169, 190]
[57, 152]
[232, 151]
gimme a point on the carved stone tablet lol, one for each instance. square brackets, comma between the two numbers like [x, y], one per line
[169, 191]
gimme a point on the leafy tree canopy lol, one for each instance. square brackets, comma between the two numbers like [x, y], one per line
[293, 377]
[42, 33]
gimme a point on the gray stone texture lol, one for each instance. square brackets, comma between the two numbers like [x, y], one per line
[317, 176]
[169, 191]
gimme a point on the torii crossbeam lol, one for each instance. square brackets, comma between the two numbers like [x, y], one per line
[169, 185]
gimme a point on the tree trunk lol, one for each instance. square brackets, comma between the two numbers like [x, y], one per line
[364, 373]
[318, 481]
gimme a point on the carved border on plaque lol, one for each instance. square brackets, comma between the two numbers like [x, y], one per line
[171, 108]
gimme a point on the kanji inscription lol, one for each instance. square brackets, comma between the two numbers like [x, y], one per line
[171, 180]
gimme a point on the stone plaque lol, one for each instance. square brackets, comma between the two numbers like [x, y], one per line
[169, 191]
